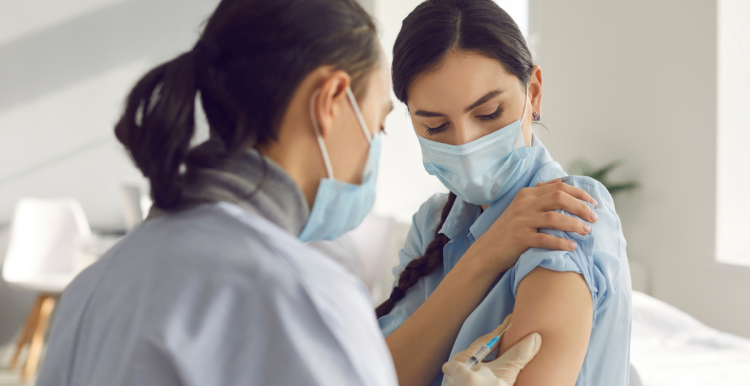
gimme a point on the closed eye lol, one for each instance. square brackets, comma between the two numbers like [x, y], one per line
[435, 130]
[491, 117]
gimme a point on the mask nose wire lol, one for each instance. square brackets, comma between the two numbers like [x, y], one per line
[323, 150]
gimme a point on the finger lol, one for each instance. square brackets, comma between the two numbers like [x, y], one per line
[458, 374]
[510, 364]
[561, 222]
[543, 240]
[556, 180]
[558, 199]
[553, 186]
[449, 368]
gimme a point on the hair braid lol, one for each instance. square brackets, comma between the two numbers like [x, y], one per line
[423, 266]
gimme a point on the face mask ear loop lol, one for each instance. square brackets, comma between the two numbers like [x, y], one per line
[520, 140]
[323, 150]
[358, 113]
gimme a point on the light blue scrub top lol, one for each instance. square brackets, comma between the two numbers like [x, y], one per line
[215, 295]
[600, 257]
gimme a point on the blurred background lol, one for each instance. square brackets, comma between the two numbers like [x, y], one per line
[660, 88]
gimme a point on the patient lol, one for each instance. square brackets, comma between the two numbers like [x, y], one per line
[467, 77]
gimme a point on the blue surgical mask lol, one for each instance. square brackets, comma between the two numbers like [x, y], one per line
[339, 206]
[483, 170]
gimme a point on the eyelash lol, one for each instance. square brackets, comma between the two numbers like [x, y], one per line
[434, 130]
[483, 118]
[491, 117]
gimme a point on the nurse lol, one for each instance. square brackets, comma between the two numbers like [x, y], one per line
[217, 287]
[463, 69]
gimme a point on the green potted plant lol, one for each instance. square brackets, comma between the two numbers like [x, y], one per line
[581, 167]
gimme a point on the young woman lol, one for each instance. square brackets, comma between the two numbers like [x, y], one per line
[216, 287]
[463, 69]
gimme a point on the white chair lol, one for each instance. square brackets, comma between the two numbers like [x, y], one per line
[135, 206]
[49, 246]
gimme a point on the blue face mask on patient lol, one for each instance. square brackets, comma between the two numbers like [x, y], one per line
[339, 206]
[483, 170]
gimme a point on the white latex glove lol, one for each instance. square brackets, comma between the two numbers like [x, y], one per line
[502, 371]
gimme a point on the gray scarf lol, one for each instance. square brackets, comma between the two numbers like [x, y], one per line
[255, 183]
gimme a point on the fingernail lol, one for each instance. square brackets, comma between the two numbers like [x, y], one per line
[594, 202]
[594, 217]
[572, 245]
[587, 228]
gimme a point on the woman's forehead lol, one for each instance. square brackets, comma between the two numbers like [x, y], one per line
[460, 79]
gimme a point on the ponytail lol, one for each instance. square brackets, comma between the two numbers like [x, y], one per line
[423, 266]
[251, 58]
[157, 125]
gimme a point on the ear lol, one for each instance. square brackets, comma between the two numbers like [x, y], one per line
[329, 101]
[535, 89]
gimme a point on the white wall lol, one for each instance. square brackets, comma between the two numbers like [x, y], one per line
[733, 180]
[65, 69]
[636, 81]
[403, 184]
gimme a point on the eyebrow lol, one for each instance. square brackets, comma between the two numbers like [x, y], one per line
[479, 102]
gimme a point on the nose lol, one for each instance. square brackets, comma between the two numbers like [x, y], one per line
[465, 132]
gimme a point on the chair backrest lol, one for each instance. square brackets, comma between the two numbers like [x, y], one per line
[46, 237]
[373, 240]
[635, 377]
[132, 214]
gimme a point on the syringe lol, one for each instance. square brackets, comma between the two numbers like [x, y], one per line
[482, 352]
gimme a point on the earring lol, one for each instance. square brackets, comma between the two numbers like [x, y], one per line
[536, 116]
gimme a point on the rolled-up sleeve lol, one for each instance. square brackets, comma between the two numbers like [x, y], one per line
[598, 254]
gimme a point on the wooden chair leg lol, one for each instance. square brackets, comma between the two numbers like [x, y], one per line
[27, 331]
[37, 340]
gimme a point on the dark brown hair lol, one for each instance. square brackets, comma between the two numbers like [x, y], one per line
[249, 61]
[433, 30]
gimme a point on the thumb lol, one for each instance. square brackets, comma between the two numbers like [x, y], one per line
[510, 364]
[481, 341]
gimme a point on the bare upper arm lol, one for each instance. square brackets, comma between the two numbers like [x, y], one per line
[557, 305]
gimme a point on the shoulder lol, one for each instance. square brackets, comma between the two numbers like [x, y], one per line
[594, 188]
[599, 256]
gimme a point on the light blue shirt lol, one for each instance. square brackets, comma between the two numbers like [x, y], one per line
[215, 295]
[600, 258]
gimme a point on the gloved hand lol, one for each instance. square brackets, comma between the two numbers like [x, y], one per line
[502, 371]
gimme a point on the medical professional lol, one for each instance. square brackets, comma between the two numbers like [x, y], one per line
[472, 89]
[217, 287]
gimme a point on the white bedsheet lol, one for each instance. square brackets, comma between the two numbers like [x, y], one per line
[671, 348]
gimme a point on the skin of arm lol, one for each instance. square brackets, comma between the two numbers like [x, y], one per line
[422, 344]
[557, 305]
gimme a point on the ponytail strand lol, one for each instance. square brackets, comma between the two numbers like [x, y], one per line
[157, 125]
